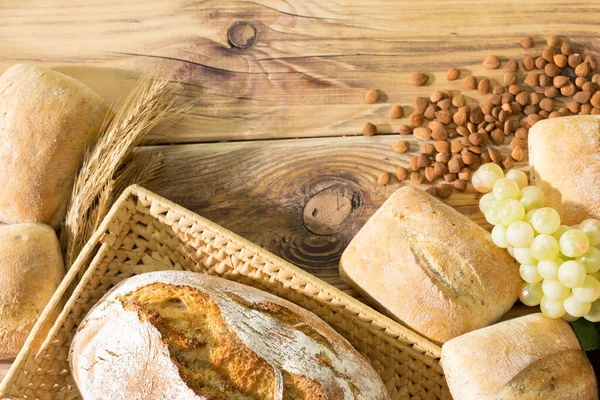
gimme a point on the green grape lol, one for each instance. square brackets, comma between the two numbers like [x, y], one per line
[485, 200]
[499, 236]
[555, 290]
[483, 180]
[561, 229]
[575, 307]
[510, 211]
[523, 256]
[568, 317]
[552, 308]
[519, 234]
[518, 176]
[591, 260]
[572, 273]
[591, 227]
[532, 197]
[531, 294]
[574, 243]
[529, 273]
[545, 220]
[548, 269]
[511, 251]
[505, 189]
[492, 213]
[493, 168]
[544, 247]
[588, 291]
[529, 216]
[594, 314]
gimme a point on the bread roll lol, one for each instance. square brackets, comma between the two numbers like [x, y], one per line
[531, 357]
[430, 267]
[47, 121]
[31, 268]
[565, 164]
[184, 335]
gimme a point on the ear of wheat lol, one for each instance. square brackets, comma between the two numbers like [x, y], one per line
[110, 164]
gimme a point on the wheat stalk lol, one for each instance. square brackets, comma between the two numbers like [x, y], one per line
[110, 164]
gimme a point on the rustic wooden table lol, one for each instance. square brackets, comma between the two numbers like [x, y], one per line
[271, 149]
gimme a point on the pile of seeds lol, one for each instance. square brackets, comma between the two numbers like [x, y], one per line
[457, 139]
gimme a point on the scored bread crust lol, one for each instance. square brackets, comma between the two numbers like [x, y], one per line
[47, 121]
[564, 158]
[430, 267]
[148, 339]
[531, 357]
[31, 268]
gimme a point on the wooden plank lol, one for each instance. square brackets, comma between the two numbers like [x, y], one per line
[301, 199]
[309, 67]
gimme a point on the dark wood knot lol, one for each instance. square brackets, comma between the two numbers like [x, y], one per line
[333, 210]
[242, 35]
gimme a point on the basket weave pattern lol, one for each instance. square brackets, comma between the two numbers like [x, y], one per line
[144, 232]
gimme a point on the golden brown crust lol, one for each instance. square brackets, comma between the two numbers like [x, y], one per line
[426, 264]
[47, 121]
[531, 357]
[563, 155]
[193, 336]
[31, 267]
[209, 356]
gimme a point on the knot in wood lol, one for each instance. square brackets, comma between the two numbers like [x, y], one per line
[332, 210]
[242, 35]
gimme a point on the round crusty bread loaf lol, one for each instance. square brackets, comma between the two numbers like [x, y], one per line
[31, 268]
[429, 266]
[184, 335]
[531, 357]
[47, 121]
[564, 158]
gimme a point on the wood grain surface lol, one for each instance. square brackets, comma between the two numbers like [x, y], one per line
[269, 149]
[310, 64]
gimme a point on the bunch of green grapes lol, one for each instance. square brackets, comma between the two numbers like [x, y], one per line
[560, 264]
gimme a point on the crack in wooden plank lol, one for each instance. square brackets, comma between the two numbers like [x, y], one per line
[286, 12]
[204, 65]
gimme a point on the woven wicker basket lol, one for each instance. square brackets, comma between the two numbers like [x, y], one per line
[144, 232]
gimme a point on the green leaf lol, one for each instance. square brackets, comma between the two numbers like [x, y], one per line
[587, 333]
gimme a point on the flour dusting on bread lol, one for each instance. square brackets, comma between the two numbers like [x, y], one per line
[184, 335]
